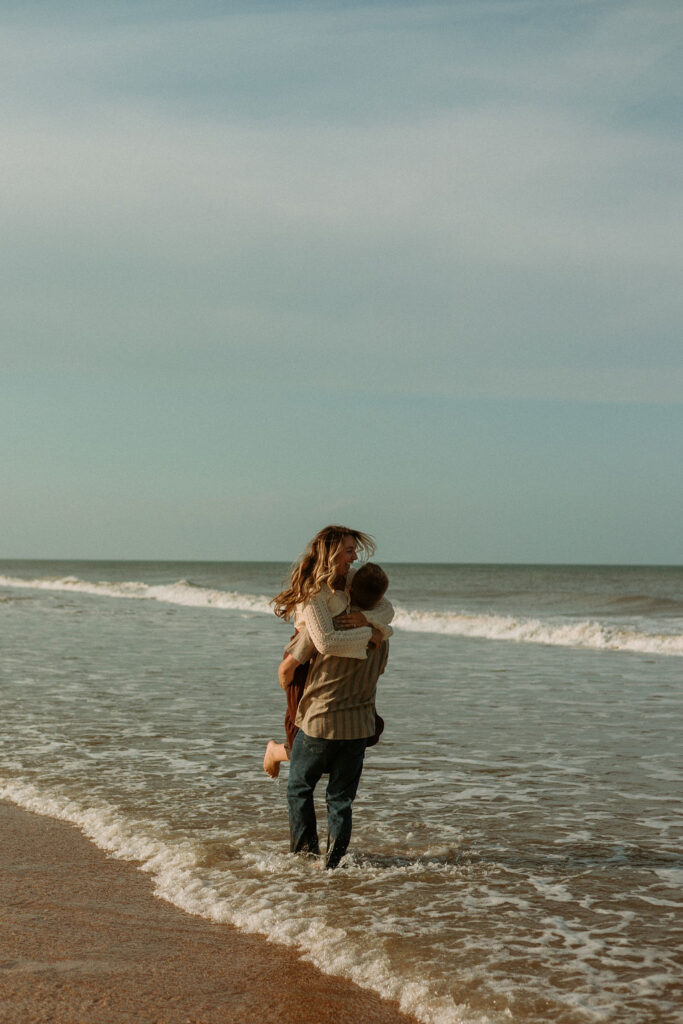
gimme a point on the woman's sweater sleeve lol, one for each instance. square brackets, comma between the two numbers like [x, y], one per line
[344, 643]
[381, 615]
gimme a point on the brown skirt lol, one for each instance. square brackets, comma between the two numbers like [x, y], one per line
[294, 693]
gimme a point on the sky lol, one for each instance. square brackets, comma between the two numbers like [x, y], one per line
[413, 267]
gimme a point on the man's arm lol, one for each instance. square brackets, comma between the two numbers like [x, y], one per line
[377, 637]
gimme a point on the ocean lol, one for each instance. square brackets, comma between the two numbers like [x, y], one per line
[517, 851]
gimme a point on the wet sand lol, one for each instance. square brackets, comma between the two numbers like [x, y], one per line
[84, 941]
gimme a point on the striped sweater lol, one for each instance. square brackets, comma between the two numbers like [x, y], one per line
[338, 702]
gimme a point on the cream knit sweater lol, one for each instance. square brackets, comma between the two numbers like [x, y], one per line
[317, 613]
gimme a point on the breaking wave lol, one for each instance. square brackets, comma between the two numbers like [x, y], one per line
[586, 633]
[573, 633]
[183, 592]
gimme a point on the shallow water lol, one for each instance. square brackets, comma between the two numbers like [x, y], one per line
[517, 835]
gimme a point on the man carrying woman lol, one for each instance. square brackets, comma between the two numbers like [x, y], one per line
[336, 716]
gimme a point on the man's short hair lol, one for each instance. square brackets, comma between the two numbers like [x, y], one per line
[368, 586]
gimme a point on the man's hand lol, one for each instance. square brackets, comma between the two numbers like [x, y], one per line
[351, 620]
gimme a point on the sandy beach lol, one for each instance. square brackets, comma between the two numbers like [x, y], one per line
[84, 941]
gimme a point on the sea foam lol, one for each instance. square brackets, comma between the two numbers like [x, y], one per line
[182, 592]
[576, 633]
[585, 633]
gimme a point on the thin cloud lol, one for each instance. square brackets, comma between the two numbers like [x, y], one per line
[424, 185]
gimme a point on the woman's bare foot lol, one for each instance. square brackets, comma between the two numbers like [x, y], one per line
[275, 754]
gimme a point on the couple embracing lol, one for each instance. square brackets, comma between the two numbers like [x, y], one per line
[329, 673]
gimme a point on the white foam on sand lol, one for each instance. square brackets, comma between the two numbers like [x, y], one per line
[180, 878]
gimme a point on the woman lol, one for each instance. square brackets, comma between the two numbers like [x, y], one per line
[315, 595]
[316, 590]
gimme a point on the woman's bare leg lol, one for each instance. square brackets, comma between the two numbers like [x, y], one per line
[286, 670]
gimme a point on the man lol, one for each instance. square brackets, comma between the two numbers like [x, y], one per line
[336, 718]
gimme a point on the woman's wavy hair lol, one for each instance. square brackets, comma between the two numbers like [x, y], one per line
[318, 566]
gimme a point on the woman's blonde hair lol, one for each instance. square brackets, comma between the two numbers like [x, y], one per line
[318, 566]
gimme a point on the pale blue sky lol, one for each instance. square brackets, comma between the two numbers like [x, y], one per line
[412, 266]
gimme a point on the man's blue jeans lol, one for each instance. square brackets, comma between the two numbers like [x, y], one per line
[310, 758]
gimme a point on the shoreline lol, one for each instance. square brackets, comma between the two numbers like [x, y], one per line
[85, 941]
